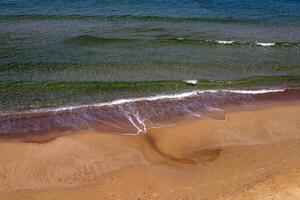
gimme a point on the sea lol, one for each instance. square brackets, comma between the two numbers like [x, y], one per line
[126, 66]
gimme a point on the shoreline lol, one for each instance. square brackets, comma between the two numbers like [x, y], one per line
[251, 155]
[138, 116]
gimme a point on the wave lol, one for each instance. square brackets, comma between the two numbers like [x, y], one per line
[125, 17]
[25, 95]
[92, 40]
[150, 98]
[137, 115]
[266, 44]
[155, 103]
[257, 82]
[212, 42]
[88, 40]
[192, 82]
[224, 42]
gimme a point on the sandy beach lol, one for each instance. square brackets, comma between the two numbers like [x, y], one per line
[247, 155]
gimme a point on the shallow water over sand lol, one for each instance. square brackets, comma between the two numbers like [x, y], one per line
[135, 116]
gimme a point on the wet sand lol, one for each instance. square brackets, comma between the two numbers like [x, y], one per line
[248, 155]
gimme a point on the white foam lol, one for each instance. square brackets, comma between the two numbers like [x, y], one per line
[265, 44]
[150, 98]
[138, 128]
[263, 91]
[224, 42]
[192, 82]
[180, 38]
[141, 121]
[192, 113]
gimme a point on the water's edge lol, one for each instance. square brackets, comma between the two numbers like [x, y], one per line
[138, 115]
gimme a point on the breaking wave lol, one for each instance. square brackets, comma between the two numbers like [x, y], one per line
[93, 40]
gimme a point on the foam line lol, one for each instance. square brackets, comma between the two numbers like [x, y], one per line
[150, 98]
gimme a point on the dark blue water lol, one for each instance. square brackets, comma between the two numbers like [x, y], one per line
[284, 11]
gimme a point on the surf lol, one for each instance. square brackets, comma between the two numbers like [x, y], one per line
[138, 115]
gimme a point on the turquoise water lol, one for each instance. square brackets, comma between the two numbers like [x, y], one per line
[57, 54]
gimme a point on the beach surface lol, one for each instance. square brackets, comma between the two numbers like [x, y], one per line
[244, 155]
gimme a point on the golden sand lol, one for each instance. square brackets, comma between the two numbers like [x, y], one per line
[249, 155]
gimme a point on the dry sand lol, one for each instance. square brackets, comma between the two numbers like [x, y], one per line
[249, 155]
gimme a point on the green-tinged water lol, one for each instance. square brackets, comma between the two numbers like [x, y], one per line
[127, 66]
[89, 40]
[54, 54]
[34, 95]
